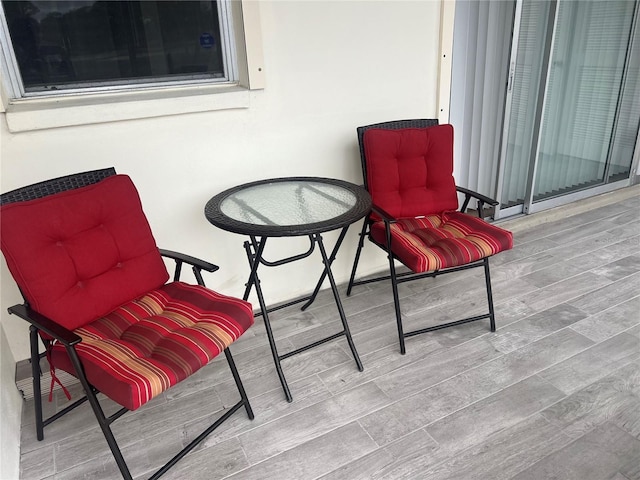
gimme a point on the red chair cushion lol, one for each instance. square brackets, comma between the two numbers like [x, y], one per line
[410, 171]
[146, 346]
[441, 241]
[79, 254]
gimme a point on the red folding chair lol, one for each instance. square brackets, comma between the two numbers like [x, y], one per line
[408, 170]
[96, 293]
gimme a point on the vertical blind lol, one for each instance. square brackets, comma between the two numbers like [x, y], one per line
[482, 37]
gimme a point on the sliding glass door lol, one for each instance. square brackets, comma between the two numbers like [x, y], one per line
[573, 101]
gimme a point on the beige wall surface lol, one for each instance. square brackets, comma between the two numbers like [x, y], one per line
[10, 413]
[329, 67]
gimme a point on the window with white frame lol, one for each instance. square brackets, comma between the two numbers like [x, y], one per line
[66, 47]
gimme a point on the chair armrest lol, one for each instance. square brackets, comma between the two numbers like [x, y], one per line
[479, 196]
[383, 214]
[48, 326]
[197, 265]
[482, 199]
[182, 258]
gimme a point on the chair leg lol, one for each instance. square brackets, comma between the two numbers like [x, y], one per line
[227, 353]
[223, 418]
[357, 259]
[105, 422]
[396, 303]
[487, 277]
[236, 377]
[99, 413]
[394, 287]
[36, 375]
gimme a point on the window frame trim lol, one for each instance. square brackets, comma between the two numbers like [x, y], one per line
[9, 60]
[229, 61]
[28, 114]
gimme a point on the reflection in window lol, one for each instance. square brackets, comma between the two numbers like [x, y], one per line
[78, 44]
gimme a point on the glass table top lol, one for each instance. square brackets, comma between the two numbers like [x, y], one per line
[288, 206]
[288, 203]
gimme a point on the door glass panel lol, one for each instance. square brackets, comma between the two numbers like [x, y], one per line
[525, 91]
[628, 121]
[574, 101]
[586, 74]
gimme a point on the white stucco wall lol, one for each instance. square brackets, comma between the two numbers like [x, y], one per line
[10, 413]
[329, 66]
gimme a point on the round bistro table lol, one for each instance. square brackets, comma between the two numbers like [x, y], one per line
[288, 207]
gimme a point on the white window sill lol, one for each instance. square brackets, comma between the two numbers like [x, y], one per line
[65, 111]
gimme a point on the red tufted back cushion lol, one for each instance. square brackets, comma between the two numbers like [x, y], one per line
[79, 254]
[410, 171]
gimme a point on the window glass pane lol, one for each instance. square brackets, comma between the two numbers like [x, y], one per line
[71, 44]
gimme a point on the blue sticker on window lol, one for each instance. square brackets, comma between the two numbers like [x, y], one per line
[207, 40]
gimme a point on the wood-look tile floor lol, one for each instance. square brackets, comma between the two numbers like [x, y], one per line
[553, 393]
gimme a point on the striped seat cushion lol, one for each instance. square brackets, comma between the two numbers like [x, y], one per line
[447, 240]
[149, 344]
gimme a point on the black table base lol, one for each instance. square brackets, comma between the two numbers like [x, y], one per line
[254, 250]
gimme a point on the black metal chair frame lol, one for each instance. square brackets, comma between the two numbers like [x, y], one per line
[40, 323]
[397, 278]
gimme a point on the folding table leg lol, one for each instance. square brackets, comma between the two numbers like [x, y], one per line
[363, 234]
[336, 295]
[254, 281]
[254, 250]
[334, 252]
